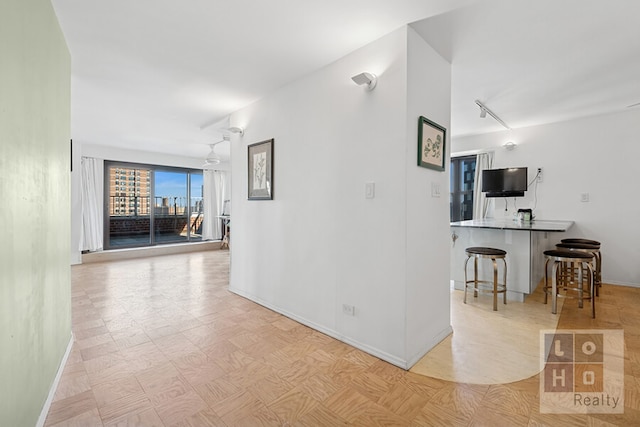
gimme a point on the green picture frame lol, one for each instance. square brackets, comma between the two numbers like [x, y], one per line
[432, 143]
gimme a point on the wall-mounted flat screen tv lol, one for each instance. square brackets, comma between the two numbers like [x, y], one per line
[508, 182]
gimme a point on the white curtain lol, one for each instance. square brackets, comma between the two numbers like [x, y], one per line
[92, 214]
[480, 201]
[214, 183]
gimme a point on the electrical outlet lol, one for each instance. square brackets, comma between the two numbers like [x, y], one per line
[349, 310]
[539, 175]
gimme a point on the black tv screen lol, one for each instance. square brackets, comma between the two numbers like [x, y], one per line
[508, 182]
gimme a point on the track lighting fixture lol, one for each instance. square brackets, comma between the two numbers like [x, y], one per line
[484, 111]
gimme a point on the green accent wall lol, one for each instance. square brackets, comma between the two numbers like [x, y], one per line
[35, 295]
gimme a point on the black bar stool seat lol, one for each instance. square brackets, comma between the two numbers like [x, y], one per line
[581, 240]
[481, 252]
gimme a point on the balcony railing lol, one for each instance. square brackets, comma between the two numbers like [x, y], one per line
[130, 220]
[163, 206]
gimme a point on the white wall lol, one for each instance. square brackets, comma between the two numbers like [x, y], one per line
[597, 155]
[320, 244]
[428, 309]
[145, 157]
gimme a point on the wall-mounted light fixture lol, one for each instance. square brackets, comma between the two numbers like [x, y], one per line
[236, 129]
[484, 111]
[510, 145]
[368, 79]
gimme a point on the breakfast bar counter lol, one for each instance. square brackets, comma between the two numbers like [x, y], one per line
[508, 224]
[524, 241]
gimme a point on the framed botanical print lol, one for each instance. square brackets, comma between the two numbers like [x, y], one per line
[431, 144]
[260, 168]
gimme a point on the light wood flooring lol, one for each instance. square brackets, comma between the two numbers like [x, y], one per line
[510, 335]
[160, 341]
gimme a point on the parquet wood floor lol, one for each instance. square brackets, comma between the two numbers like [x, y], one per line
[161, 342]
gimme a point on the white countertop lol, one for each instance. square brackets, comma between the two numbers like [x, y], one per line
[509, 224]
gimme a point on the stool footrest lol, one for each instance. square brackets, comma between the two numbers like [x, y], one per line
[489, 288]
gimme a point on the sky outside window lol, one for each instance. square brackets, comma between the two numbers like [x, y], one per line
[170, 184]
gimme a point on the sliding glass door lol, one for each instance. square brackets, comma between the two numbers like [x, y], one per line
[197, 205]
[171, 207]
[148, 205]
[128, 212]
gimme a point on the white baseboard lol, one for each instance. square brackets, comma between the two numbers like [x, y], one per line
[394, 360]
[146, 251]
[54, 386]
[613, 282]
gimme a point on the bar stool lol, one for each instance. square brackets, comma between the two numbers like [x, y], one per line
[486, 253]
[560, 257]
[594, 245]
[581, 240]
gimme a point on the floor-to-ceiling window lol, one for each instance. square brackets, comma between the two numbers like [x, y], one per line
[462, 178]
[148, 205]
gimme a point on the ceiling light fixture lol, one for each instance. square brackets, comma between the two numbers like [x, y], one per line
[484, 111]
[368, 79]
[213, 158]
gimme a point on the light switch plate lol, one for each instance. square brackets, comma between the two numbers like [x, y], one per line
[435, 189]
[370, 190]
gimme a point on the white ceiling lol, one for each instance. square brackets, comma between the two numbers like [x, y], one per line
[536, 62]
[149, 74]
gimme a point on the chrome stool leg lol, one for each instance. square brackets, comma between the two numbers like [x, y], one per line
[563, 260]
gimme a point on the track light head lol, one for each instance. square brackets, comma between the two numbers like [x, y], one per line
[484, 111]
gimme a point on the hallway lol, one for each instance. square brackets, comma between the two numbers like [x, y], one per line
[161, 342]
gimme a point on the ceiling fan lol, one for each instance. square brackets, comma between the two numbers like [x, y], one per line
[213, 158]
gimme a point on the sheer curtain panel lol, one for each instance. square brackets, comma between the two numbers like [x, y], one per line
[480, 201]
[92, 215]
[214, 183]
